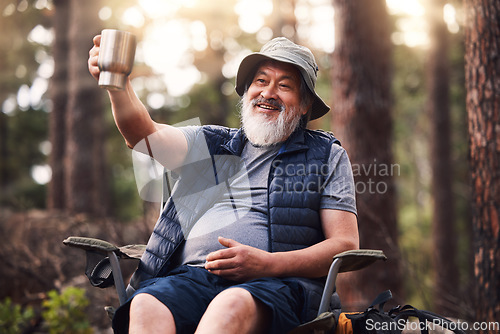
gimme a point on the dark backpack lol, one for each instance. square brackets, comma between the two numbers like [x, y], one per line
[374, 320]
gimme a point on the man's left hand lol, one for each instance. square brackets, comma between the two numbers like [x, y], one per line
[238, 262]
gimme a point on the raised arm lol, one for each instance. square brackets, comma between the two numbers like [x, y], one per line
[136, 125]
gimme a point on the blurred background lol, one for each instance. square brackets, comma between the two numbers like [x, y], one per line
[393, 72]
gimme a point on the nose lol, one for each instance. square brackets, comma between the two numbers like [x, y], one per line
[269, 92]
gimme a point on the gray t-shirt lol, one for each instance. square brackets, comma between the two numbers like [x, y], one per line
[239, 211]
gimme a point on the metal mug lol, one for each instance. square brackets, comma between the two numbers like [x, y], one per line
[116, 58]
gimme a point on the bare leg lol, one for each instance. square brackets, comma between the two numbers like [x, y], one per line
[234, 311]
[149, 315]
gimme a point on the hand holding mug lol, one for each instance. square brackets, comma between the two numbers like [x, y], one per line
[115, 51]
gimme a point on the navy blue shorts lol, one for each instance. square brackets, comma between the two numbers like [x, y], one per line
[187, 291]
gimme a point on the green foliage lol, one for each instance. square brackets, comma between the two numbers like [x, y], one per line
[22, 128]
[23, 133]
[13, 318]
[65, 312]
[125, 201]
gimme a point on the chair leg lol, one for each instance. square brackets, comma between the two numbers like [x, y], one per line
[329, 286]
[118, 277]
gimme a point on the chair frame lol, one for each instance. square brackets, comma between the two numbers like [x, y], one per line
[346, 261]
[342, 262]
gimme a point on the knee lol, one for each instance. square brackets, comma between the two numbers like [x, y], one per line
[236, 300]
[144, 304]
[149, 315]
[234, 311]
[236, 303]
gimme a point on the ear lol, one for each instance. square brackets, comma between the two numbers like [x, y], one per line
[306, 114]
[304, 120]
[307, 110]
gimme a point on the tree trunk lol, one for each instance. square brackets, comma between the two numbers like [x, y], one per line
[446, 283]
[86, 176]
[4, 153]
[482, 71]
[284, 22]
[59, 96]
[362, 120]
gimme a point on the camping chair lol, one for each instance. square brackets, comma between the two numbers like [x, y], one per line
[103, 268]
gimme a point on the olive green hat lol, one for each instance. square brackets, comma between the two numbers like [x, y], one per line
[283, 50]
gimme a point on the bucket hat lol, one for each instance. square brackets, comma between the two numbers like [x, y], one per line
[283, 50]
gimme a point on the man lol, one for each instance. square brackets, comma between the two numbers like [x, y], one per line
[261, 270]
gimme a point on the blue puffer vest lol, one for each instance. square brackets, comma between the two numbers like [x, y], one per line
[294, 192]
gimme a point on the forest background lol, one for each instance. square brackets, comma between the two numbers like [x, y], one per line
[393, 71]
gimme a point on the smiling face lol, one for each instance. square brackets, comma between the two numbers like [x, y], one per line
[278, 82]
[271, 107]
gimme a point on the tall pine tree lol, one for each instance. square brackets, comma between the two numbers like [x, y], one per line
[86, 176]
[446, 276]
[482, 71]
[362, 119]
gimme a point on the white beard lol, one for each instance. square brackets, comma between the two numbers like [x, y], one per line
[262, 131]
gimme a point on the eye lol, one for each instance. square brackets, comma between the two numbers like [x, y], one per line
[286, 86]
[260, 81]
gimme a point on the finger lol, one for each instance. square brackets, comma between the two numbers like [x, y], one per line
[227, 273]
[226, 242]
[234, 274]
[93, 66]
[219, 265]
[94, 51]
[220, 254]
[93, 60]
[97, 40]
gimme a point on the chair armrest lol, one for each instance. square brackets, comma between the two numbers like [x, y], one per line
[346, 261]
[106, 269]
[91, 244]
[358, 259]
[132, 251]
[101, 246]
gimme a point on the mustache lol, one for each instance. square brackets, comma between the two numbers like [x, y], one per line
[271, 102]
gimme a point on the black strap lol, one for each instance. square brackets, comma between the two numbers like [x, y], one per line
[381, 299]
[423, 316]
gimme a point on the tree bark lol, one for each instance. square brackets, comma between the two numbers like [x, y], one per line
[482, 73]
[59, 95]
[362, 120]
[86, 179]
